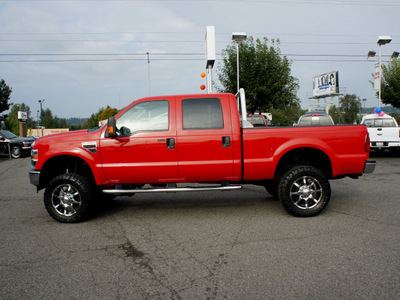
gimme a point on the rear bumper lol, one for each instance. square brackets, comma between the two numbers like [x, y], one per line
[34, 177]
[383, 144]
[369, 166]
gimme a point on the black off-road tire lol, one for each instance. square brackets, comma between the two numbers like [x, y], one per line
[16, 151]
[304, 191]
[68, 198]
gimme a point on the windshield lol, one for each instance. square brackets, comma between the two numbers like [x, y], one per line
[8, 134]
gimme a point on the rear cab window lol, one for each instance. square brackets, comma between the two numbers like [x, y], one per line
[380, 122]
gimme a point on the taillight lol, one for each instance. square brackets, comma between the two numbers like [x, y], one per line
[367, 143]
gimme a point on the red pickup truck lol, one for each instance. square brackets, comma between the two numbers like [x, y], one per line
[165, 144]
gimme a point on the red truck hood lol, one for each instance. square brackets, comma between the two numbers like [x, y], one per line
[66, 135]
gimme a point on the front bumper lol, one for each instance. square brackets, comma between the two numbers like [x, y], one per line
[369, 166]
[34, 177]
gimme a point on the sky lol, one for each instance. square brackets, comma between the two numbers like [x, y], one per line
[80, 55]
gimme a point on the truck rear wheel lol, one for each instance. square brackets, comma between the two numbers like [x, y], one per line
[304, 191]
[68, 198]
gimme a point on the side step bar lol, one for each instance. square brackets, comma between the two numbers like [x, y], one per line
[173, 190]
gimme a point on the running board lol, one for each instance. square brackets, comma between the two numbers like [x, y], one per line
[174, 190]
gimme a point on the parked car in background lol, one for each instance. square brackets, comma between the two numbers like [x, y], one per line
[15, 146]
[315, 118]
[383, 130]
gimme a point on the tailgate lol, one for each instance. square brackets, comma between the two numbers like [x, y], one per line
[381, 134]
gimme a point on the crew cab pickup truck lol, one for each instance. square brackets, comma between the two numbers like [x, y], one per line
[383, 130]
[194, 143]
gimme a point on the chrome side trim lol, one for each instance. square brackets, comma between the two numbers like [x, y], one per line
[173, 190]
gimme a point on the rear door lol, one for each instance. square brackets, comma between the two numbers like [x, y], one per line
[204, 130]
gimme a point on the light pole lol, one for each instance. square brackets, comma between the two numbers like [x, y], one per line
[148, 69]
[238, 37]
[37, 125]
[41, 116]
[382, 40]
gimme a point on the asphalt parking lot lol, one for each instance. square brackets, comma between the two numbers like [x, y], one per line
[209, 245]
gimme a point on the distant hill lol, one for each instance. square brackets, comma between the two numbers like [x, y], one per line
[76, 121]
[387, 109]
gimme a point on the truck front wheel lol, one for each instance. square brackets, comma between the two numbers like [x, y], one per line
[68, 198]
[304, 191]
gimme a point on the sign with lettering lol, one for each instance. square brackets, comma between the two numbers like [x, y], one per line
[22, 116]
[326, 84]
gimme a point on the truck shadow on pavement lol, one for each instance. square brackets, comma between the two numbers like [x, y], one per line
[196, 201]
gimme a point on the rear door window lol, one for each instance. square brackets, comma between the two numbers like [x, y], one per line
[202, 114]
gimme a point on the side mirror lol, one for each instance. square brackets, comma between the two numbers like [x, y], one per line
[111, 130]
[124, 131]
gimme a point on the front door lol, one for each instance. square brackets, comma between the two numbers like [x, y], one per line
[144, 151]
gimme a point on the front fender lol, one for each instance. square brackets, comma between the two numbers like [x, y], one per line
[91, 159]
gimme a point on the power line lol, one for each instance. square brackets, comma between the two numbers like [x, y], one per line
[181, 59]
[307, 2]
[173, 54]
[174, 41]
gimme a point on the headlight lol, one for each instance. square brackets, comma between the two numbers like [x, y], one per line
[34, 157]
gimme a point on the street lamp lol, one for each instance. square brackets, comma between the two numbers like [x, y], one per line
[395, 54]
[148, 69]
[41, 103]
[382, 40]
[238, 37]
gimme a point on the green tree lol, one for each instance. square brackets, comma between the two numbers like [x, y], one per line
[336, 114]
[47, 119]
[102, 114]
[5, 92]
[287, 116]
[12, 123]
[108, 112]
[391, 83]
[50, 121]
[350, 107]
[264, 74]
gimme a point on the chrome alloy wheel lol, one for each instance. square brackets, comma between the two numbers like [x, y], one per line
[306, 192]
[66, 200]
[16, 152]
